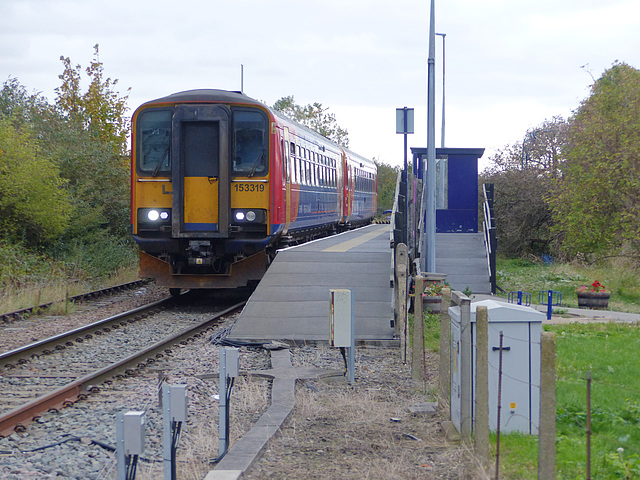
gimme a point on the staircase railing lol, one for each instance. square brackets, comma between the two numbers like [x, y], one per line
[489, 229]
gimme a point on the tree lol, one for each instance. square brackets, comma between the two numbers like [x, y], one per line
[387, 177]
[522, 174]
[314, 116]
[100, 110]
[596, 202]
[34, 206]
[91, 147]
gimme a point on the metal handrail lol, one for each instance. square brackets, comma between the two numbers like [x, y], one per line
[489, 230]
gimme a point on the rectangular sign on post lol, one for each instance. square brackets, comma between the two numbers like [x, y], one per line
[401, 125]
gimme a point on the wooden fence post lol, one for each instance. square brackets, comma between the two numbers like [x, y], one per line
[417, 368]
[481, 428]
[400, 327]
[444, 379]
[465, 367]
[547, 428]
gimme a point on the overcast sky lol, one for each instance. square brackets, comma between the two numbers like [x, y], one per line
[510, 64]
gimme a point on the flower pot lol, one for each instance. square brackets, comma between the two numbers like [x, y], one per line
[595, 300]
[432, 303]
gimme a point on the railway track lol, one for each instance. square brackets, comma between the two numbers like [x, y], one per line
[23, 312]
[58, 371]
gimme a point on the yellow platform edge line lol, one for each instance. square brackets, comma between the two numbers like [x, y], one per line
[349, 244]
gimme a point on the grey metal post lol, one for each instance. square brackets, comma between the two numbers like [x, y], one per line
[465, 367]
[120, 456]
[222, 413]
[429, 193]
[174, 416]
[443, 35]
[166, 430]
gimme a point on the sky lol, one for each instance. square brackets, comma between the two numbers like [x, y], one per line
[509, 64]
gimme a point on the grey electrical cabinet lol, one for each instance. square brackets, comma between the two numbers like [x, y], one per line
[521, 328]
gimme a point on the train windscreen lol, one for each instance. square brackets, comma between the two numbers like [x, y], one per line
[154, 142]
[250, 144]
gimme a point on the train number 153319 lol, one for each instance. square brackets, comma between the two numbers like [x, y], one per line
[249, 187]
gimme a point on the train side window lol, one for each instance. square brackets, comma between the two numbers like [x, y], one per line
[153, 130]
[285, 161]
[250, 155]
[294, 163]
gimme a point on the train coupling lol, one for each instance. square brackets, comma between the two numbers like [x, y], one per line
[199, 252]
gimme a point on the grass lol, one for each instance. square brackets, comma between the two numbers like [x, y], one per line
[533, 277]
[608, 350]
[56, 289]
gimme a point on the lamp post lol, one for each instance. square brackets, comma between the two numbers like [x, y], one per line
[443, 35]
[428, 258]
[441, 162]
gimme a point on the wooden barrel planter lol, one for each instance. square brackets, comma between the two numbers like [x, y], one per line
[432, 303]
[594, 300]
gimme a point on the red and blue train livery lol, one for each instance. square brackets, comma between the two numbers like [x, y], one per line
[220, 181]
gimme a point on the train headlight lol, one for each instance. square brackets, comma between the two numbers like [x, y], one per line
[256, 215]
[154, 219]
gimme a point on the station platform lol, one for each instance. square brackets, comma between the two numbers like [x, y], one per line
[291, 303]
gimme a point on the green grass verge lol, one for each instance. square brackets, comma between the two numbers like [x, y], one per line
[533, 277]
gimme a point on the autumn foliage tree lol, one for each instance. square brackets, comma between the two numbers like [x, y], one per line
[523, 175]
[92, 146]
[316, 117]
[64, 171]
[596, 202]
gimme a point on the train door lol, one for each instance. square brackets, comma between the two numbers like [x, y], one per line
[288, 166]
[200, 144]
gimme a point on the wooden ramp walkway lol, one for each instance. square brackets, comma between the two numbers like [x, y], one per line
[292, 301]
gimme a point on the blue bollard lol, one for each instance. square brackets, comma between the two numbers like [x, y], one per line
[519, 297]
[550, 303]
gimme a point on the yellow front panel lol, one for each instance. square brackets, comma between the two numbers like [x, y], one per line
[249, 194]
[153, 194]
[200, 200]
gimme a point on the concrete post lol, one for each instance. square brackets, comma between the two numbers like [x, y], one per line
[481, 427]
[444, 379]
[401, 298]
[417, 368]
[547, 430]
[465, 367]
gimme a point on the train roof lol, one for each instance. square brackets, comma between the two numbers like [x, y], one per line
[226, 96]
[207, 95]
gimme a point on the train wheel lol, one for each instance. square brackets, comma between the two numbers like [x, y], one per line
[174, 292]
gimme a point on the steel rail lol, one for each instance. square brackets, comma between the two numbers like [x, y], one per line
[62, 340]
[18, 418]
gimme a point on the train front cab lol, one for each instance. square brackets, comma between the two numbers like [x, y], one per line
[200, 218]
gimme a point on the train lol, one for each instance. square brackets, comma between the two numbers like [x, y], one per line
[220, 182]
